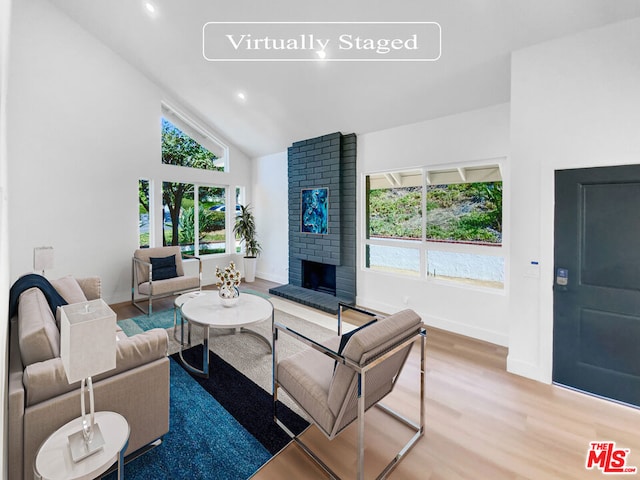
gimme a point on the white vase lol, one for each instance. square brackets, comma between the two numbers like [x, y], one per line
[229, 296]
[250, 269]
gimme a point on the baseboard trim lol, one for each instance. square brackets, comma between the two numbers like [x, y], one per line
[527, 369]
[496, 338]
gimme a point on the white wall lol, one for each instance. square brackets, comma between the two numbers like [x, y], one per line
[477, 135]
[83, 128]
[270, 191]
[575, 102]
[5, 15]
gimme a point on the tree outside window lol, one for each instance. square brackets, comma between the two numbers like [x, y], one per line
[178, 148]
[201, 235]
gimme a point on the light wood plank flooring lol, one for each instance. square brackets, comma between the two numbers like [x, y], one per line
[481, 422]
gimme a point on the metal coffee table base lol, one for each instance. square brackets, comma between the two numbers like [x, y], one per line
[205, 350]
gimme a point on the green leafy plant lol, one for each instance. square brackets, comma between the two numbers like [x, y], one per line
[245, 230]
[207, 221]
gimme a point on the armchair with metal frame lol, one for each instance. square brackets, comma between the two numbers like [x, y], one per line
[145, 285]
[336, 384]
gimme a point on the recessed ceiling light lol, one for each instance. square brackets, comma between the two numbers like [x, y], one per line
[321, 54]
[241, 96]
[149, 7]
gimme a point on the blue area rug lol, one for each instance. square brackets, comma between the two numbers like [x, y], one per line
[220, 428]
[249, 404]
[254, 292]
[135, 325]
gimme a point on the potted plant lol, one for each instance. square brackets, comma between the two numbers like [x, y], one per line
[245, 230]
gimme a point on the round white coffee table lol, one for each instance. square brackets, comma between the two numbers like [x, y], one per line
[207, 312]
[177, 303]
[53, 460]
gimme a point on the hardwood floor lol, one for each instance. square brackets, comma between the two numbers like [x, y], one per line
[481, 423]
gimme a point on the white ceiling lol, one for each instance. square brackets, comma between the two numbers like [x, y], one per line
[292, 101]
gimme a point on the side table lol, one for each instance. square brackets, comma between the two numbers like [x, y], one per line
[54, 462]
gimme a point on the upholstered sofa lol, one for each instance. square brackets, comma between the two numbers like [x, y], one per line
[40, 398]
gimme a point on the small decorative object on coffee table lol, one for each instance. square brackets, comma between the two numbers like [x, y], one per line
[228, 282]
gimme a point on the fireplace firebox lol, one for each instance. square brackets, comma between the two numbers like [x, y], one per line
[320, 277]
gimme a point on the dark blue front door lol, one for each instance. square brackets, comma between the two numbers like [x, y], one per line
[596, 345]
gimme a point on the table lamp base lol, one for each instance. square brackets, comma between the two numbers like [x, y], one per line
[81, 449]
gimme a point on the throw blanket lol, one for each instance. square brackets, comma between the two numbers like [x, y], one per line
[54, 299]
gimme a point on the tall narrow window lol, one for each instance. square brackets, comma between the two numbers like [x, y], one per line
[239, 201]
[177, 198]
[143, 213]
[211, 231]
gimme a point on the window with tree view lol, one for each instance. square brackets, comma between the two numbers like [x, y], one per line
[178, 148]
[443, 224]
[202, 233]
[190, 212]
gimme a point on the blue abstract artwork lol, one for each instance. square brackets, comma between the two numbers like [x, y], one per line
[315, 211]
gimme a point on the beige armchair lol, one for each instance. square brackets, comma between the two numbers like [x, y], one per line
[148, 283]
[335, 384]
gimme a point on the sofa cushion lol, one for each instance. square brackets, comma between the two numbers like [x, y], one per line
[171, 285]
[38, 334]
[145, 254]
[306, 376]
[91, 287]
[69, 288]
[164, 267]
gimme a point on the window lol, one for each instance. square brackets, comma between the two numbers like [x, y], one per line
[395, 259]
[187, 144]
[201, 234]
[191, 214]
[239, 246]
[465, 212]
[143, 213]
[443, 224]
[395, 205]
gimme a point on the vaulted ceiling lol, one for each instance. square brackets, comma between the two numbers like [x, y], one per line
[290, 101]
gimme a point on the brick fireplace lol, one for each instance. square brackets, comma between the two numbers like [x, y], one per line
[322, 261]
